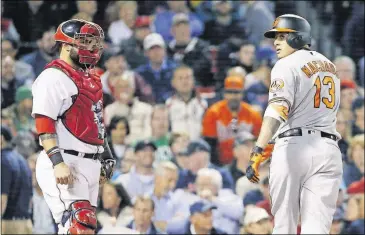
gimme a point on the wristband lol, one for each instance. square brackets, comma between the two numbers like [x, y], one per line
[54, 155]
[257, 149]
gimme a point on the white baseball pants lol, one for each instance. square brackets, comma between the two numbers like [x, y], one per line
[58, 197]
[305, 176]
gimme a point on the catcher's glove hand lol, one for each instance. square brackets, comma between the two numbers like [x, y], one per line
[256, 158]
[106, 171]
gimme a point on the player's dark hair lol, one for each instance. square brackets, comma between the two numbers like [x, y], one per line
[114, 122]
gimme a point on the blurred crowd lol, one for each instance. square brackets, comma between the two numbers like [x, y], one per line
[172, 72]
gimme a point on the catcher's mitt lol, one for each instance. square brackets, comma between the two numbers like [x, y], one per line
[106, 171]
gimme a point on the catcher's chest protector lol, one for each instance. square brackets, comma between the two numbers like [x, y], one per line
[84, 119]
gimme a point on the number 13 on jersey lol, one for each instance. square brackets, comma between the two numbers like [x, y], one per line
[329, 102]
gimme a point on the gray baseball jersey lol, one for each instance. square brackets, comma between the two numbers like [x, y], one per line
[307, 81]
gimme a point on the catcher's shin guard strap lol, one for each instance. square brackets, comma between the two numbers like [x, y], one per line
[81, 216]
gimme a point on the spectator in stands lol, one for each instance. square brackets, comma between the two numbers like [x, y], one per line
[8, 30]
[348, 95]
[254, 196]
[186, 109]
[122, 28]
[358, 109]
[166, 204]
[223, 26]
[9, 82]
[345, 67]
[115, 206]
[163, 20]
[227, 119]
[355, 209]
[343, 126]
[229, 54]
[241, 153]
[160, 129]
[140, 179]
[143, 211]
[117, 131]
[128, 160]
[192, 51]
[115, 64]
[178, 144]
[337, 222]
[20, 112]
[16, 188]
[257, 93]
[256, 221]
[132, 48]
[88, 8]
[237, 71]
[23, 71]
[43, 222]
[258, 18]
[137, 112]
[201, 219]
[229, 206]
[25, 143]
[44, 54]
[158, 71]
[198, 153]
[354, 168]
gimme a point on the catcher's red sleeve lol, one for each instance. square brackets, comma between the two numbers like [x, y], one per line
[44, 124]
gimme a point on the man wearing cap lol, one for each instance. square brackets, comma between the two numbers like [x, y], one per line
[16, 188]
[20, 112]
[355, 208]
[140, 179]
[163, 20]
[348, 95]
[199, 153]
[201, 219]
[132, 48]
[158, 70]
[256, 221]
[192, 51]
[358, 109]
[228, 119]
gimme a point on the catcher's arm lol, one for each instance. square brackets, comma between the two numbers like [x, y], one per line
[107, 163]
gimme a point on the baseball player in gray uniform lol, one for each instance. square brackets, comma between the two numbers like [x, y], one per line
[306, 165]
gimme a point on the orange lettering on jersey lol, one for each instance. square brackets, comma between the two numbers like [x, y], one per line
[333, 69]
[327, 67]
[313, 69]
[321, 64]
[307, 71]
[316, 65]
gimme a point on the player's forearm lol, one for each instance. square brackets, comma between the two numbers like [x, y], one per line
[268, 129]
[50, 145]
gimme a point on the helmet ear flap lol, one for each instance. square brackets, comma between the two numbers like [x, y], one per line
[298, 40]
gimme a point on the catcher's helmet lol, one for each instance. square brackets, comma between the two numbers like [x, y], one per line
[298, 28]
[84, 35]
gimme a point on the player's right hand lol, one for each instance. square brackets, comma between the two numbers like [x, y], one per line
[63, 174]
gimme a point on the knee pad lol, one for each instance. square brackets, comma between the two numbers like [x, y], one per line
[81, 216]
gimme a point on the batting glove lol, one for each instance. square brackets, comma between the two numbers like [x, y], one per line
[256, 158]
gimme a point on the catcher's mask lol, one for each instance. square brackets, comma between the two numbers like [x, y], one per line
[298, 28]
[86, 36]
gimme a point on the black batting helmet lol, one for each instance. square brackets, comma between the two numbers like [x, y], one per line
[298, 28]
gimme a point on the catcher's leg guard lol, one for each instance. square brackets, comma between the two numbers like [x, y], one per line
[81, 217]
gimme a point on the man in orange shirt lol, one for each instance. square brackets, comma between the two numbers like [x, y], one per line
[228, 119]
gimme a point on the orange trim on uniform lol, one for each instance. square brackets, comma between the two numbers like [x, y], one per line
[44, 124]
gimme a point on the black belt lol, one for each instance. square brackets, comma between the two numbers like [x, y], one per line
[93, 156]
[298, 132]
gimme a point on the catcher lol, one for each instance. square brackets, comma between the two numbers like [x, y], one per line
[68, 108]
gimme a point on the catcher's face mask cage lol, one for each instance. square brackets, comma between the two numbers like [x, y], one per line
[89, 43]
[86, 36]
